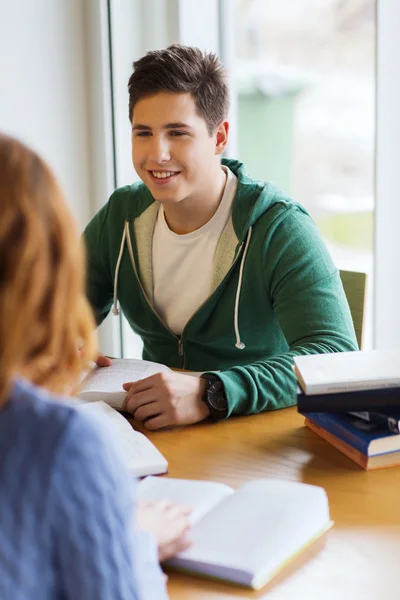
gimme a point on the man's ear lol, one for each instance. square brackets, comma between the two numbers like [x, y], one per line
[221, 137]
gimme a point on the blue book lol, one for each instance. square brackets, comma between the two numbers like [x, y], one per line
[368, 438]
[386, 419]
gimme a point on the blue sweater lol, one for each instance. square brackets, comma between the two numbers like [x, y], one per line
[66, 508]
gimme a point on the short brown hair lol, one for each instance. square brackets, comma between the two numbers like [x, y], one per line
[183, 69]
[44, 315]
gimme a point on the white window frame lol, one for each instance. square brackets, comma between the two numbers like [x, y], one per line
[387, 169]
[101, 127]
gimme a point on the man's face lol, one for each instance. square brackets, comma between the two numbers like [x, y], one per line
[172, 150]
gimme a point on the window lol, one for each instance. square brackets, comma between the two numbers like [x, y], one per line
[303, 74]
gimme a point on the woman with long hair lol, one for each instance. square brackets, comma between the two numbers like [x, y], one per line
[67, 525]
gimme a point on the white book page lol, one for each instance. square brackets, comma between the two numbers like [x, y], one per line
[139, 454]
[105, 383]
[253, 532]
[202, 496]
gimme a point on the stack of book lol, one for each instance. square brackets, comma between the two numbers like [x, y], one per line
[352, 400]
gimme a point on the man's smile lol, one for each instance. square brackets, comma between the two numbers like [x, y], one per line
[162, 177]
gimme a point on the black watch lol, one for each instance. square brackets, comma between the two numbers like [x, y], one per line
[214, 397]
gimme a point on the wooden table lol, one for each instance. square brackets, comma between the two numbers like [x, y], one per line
[362, 557]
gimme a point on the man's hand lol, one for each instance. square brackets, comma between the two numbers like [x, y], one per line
[166, 399]
[103, 361]
[169, 525]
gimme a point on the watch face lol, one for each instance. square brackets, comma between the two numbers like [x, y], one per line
[216, 396]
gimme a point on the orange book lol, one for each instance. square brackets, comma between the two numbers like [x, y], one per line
[389, 459]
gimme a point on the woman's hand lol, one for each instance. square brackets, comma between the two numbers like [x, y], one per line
[169, 525]
[103, 361]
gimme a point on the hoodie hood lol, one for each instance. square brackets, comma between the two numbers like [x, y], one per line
[253, 199]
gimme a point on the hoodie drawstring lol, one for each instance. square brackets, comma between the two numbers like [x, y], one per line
[239, 344]
[121, 250]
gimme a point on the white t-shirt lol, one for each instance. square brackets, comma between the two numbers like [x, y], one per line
[183, 264]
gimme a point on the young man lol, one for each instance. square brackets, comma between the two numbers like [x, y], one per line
[215, 271]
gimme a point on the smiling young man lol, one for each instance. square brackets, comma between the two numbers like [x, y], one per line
[215, 271]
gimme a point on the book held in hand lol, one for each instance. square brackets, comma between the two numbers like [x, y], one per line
[105, 383]
[246, 536]
[348, 371]
[140, 455]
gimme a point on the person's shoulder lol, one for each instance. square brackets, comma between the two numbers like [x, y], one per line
[264, 201]
[33, 408]
[130, 200]
[65, 438]
[37, 406]
[38, 420]
[125, 204]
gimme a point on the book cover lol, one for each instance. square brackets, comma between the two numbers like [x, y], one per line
[348, 371]
[366, 437]
[339, 402]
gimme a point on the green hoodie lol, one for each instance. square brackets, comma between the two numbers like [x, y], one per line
[275, 292]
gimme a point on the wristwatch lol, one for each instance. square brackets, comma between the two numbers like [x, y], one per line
[214, 397]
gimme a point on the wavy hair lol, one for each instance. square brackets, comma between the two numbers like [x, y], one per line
[44, 315]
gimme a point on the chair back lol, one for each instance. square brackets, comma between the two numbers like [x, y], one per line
[355, 288]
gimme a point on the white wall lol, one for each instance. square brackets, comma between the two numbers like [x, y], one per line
[43, 91]
[55, 96]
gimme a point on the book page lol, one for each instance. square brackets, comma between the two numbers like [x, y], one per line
[105, 383]
[256, 530]
[139, 454]
[202, 496]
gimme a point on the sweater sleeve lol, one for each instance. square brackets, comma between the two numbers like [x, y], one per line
[100, 553]
[310, 306]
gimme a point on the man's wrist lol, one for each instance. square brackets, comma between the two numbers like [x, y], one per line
[214, 396]
[204, 409]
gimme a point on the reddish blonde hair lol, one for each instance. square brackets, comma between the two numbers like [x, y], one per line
[44, 315]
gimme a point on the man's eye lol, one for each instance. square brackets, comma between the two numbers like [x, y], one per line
[142, 134]
[177, 133]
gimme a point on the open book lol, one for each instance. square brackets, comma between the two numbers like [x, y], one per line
[245, 536]
[140, 455]
[105, 383]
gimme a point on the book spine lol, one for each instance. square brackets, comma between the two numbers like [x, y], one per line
[351, 386]
[355, 455]
[337, 428]
[367, 400]
[378, 418]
